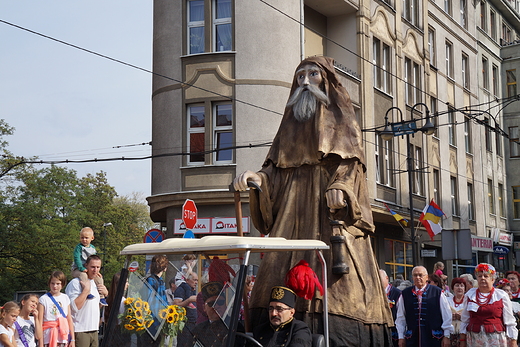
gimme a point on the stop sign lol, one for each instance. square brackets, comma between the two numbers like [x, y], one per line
[189, 214]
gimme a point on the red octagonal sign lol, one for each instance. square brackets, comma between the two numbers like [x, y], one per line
[189, 214]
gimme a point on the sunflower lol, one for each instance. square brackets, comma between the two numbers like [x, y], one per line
[129, 301]
[171, 310]
[139, 323]
[129, 327]
[146, 306]
[129, 311]
[149, 323]
[170, 319]
[138, 303]
[139, 329]
[133, 322]
[138, 314]
[162, 314]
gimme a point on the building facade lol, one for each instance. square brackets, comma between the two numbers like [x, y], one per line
[223, 73]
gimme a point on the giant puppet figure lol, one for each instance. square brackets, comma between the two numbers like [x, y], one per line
[314, 173]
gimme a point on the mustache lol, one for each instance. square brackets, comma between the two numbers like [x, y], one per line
[313, 90]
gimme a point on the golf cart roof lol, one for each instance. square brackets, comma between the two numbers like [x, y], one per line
[223, 244]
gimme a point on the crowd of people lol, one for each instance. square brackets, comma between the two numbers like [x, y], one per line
[469, 312]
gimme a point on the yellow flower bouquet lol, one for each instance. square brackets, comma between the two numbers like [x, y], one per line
[137, 316]
[175, 319]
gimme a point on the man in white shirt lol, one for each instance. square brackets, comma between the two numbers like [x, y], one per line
[84, 303]
[423, 314]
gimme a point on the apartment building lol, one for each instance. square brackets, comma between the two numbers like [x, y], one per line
[225, 71]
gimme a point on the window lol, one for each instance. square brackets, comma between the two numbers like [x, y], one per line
[493, 24]
[463, 14]
[219, 26]
[506, 34]
[398, 258]
[384, 161]
[411, 11]
[218, 129]
[195, 26]
[454, 196]
[485, 73]
[413, 81]
[495, 79]
[433, 114]
[471, 207]
[514, 145]
[487, 128]
[196, 121]
[465, 71]
[483, 23]
[491, 198]
[511, 82]
[381, 62]
[223, 132]
[467, 135]
[222, 25]
[449, 59]
[501, 210]
[431, 46]
[498, 141]
[436, 186]
[418, 175]
[516, 202]
[452, 124]
[447, 6]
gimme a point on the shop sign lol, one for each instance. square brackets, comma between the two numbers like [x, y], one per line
[212, 225]
[505, 238]
[500, 250]
[481, 244]
[429, 253]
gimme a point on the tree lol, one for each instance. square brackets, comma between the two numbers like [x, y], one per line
[42, 212]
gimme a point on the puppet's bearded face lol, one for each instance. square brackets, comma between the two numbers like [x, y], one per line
[308, 95]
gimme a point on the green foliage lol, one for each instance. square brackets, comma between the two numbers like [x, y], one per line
[41, 214]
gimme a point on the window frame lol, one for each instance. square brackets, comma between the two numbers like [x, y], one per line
[491, 197]
[382, 61]
[217, 130]
[501, 202]
[510, 83]
[454, 196]
[471, 199]
[418, 174]
[463, 14]
[449, 59]
[514, 141]
[468, 144]
[195, 24]
[483, 17]
[384, 162]
[413, 75]
[195, 130]
[465, 71]
[487, 130]
[485, 73]
[221, 21]
[493, 24]
[452, 126]
[516, 201]
[495, 77]
[431, 46]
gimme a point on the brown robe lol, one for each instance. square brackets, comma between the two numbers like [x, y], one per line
[305, 160]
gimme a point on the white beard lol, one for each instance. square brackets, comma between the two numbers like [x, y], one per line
[305, 100]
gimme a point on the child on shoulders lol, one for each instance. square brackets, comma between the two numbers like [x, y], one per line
[82, 251]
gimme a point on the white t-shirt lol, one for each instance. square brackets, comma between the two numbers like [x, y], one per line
[9, 332]
[87, 318]
[27, 326]
[51, 312]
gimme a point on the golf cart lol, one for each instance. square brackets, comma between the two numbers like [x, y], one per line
[207, 249]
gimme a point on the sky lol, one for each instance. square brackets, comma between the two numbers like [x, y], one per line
[65, 103]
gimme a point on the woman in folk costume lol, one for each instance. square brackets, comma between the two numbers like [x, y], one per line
[315, 173]
[458, 286]
[487, 317]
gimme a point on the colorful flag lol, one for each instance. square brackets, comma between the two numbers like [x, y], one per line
[400, 219]
[431, 219]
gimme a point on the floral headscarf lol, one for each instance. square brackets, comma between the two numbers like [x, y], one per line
[502, 283]
[485, 267]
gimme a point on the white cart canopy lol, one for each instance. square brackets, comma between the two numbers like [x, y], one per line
[223, 244]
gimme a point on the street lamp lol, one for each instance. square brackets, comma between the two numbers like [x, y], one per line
[105, 225]
[406, 128]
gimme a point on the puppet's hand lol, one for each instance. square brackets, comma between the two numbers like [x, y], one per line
[240, 182]
[335, 199]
